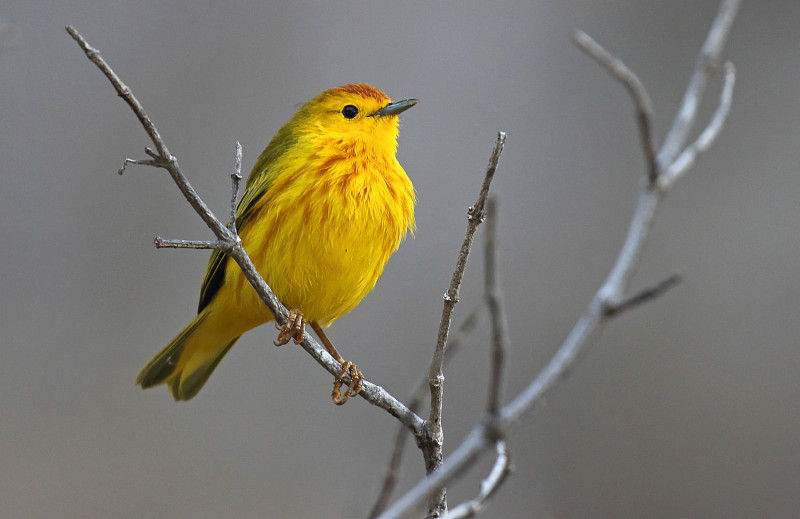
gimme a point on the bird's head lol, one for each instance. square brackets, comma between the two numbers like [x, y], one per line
[355, 115]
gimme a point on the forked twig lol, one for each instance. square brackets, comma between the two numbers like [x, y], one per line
[501, 469]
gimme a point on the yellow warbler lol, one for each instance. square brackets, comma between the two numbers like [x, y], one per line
[325, 206]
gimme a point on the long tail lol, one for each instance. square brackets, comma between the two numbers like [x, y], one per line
[186, 363]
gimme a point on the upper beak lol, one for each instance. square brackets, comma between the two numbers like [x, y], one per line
[395, 108]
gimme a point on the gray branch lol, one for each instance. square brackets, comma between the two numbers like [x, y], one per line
[236, 178]
[637, 91]
[497, 314]
[704, 67]
[610, 300]
[500, 471]
[689, 156]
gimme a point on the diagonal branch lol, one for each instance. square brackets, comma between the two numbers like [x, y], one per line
[635, 87]
[689, 156]
[501, 469]
[229, 242]
[705, 66]
[609, 295]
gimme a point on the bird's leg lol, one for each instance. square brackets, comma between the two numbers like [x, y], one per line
[293, 328]
[348, 368]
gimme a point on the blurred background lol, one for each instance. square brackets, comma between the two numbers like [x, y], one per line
[687, 407]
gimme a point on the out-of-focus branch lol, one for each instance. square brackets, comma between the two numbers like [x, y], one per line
[705, 66]
[635, 87]
[688, 157]
[229, 242]
[414, 403]
[611, 299]
[500, 470]
[497, 314]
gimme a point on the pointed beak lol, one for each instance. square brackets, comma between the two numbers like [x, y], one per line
[395, 108]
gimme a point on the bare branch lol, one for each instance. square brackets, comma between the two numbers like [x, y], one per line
[498, 318]
[500, 471]
[644, 295]
[151, 163]
[162, 243]
[635, 87]
[122, 90]
[689, 156]
[454, 344]
[231, 244]
[704, 67]
[609, 296]
[432, 450]
[236, 178]
[456, 464]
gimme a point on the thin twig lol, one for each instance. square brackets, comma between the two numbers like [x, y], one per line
[597, 315]
[500, 471]
[644, 295]
[145, 162]
[231, 244]
[705, 66]
[432, 450]
[635, 87]
[688, 157]
[497, 314]
[164, 243]
[236, 178]
[414, 403]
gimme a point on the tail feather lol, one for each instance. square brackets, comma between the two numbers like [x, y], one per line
[191, 381]
[188, 360]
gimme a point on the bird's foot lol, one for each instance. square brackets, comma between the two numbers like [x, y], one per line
[355, 386]
[293, 328]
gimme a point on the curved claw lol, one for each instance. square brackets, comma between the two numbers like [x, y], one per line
[293, 328]
[355, 386]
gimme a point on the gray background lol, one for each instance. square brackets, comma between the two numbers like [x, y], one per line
[686, 408]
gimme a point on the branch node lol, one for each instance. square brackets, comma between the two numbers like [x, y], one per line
[611, 307]
[451, 297]
[473, 214]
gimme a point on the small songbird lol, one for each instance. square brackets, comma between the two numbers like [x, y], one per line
[325, 206]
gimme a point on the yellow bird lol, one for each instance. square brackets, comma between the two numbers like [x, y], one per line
[325, 206]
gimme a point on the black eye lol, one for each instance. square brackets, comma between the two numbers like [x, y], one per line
[349, 111]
